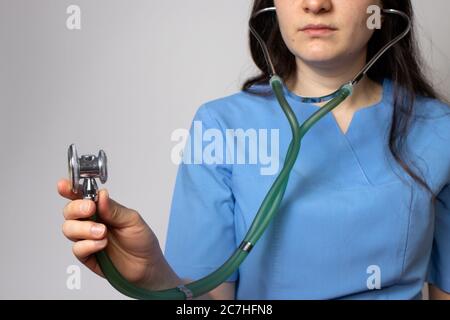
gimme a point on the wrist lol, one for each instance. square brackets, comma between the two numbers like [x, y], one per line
[161, 277]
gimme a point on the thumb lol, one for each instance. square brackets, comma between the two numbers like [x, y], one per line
[113, 213]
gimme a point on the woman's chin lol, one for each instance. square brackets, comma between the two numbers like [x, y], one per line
[320, 60]
[321, 55]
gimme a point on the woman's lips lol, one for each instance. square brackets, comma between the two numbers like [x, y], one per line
[318, 29]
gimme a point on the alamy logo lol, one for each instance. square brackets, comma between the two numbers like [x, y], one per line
[374, 21]
[73, 281]
[374, 280]
[238, 146]
[73, 21]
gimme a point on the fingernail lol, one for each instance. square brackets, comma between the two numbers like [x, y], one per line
[84, 207]
[97, 229]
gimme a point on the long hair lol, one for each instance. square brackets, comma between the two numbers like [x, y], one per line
[403, 67]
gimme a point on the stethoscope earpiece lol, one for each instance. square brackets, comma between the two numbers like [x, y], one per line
[88, 168]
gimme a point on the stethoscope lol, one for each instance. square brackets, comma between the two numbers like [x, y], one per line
[89, 167]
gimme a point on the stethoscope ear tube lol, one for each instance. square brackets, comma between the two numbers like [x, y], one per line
[359, 76]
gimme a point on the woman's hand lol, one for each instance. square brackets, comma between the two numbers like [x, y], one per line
[128, 240]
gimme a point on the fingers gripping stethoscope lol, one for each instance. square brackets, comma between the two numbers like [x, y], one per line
[89, 167]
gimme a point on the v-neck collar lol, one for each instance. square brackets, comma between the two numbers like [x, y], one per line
[356, 121]
[363, 147]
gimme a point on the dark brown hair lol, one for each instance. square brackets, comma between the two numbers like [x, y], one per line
[402, 65]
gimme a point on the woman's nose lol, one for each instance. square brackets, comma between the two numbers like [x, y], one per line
[316, 6]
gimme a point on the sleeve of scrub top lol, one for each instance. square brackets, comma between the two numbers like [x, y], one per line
[201, 234]
[439, 271]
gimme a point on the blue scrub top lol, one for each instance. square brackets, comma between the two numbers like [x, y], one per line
[352, 223]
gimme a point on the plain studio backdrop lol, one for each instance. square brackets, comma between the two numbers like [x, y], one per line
[135, 72]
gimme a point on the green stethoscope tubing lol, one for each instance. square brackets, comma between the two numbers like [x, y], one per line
[266, 213]
[269, 206]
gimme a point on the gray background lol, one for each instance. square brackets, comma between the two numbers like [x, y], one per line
[136, 71]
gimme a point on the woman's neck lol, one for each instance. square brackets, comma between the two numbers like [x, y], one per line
[319, 80]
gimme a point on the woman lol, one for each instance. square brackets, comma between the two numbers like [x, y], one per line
[366, 212]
